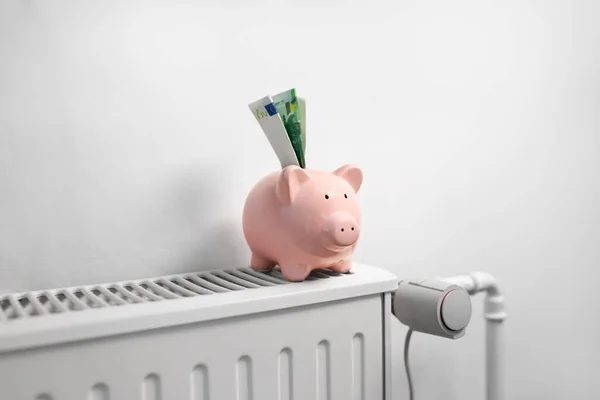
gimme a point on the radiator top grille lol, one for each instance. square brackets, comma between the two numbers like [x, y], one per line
[45, 302]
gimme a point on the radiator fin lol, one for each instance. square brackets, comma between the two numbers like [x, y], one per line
[99, 392]
[108, 296]
[324, 370]
[190, 286]
[358, 367]
[125, 294]
[90, 299]
[207, 284]
[199, 384]
[286, 375]
[143, 292]
[151, 388]
[224, 283]
[159, 290]
[244, 378]
[19, 306]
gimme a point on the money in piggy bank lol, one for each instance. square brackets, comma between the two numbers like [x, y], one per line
[303, 219]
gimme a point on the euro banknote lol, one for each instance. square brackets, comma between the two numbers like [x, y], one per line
[272, 125]
[286, 104]
[302, 114]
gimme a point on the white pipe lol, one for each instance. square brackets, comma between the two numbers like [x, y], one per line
[494, 360]
[494, 312]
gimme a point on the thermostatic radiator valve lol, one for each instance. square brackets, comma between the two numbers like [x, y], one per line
[433, 306]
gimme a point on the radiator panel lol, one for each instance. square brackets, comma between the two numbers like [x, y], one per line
[324, 351]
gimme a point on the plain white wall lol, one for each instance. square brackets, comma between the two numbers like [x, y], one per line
[127, 148]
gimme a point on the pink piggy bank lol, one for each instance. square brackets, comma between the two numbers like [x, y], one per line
[303, 219]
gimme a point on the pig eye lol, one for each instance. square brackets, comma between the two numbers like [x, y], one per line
[345, 195]
[326, 197]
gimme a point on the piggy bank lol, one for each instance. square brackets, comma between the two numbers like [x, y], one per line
[303, 219]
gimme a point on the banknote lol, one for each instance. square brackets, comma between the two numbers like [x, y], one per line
[272, 125]
[287, 107]
[302, 115]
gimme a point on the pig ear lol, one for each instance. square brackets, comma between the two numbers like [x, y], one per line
[290, 180]
[351, 174]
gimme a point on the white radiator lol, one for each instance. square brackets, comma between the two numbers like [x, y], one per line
[220, 335]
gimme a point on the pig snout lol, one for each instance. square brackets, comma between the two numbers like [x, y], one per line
[343, 230]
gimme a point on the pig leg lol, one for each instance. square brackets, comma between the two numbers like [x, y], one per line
[342, 266]
[295, 272]
[259, 263]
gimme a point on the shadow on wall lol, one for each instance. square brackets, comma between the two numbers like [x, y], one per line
[200, 224]
[222, 246]
[176, 219]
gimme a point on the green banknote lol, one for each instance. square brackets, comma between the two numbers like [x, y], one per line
[286, 104]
